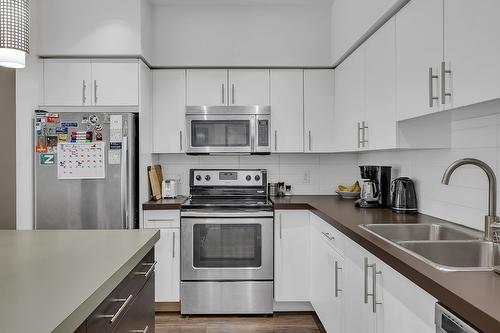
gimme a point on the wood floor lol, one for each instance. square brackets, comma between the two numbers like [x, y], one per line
[279, 323]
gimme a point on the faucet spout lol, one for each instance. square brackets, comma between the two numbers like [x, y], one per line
[492, 187]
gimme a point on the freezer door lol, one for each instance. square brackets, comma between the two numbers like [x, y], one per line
[90, 203]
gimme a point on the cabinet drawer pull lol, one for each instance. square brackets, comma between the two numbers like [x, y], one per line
[149, 271]
[232, 92]
[365, 271]
[84, 95]
[281, 228]
[444, 71]
[359, 134]
[337, 268]
[327, 235]
[275, 140]
[223, 95]
[95, 92]
[310, 144]
[180, 140]
[374, 287]
[120, 310]
[145, 330]
[173, 246]
[431, 88]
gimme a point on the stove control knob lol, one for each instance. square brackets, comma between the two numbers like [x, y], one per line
[249, 178]
[198, 177]
[257, 177]
[207, 178]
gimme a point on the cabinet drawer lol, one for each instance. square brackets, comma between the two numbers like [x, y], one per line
[162, 219]
[332, 236]
[140, 317]
[122, 297]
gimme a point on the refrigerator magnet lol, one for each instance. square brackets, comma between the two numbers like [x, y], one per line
[47, 159]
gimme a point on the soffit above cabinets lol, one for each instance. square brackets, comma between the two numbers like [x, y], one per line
[240, 2]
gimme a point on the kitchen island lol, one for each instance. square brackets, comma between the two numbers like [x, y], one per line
[56, 280]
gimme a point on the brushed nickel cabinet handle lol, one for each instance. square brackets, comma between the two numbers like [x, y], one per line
[149, 271]
[432, 98]
[95, 92]
[281, 228]
[145, 330]
[180, 140]
[327, 235]
[359, 134]
[223, 95]
[365, 271]
[275, 140]
[337, 268]
[173, 245]
[374, 287]
[232, 92]
[444, 71]
[364, 128]
[120, 310]
[310, 145]
[84, 94]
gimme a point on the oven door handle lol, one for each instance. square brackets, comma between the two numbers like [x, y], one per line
[240, 213]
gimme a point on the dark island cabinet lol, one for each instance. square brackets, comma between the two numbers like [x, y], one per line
[130, 306]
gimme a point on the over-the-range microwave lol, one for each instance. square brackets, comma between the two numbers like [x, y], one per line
[228, 129]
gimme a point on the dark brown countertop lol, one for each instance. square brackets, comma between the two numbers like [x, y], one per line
[164, 203]
[475, 296]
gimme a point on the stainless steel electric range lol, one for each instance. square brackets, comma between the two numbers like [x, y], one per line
[227, 244]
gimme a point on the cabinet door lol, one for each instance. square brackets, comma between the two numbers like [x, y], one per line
[168, 266]
[67, 82]
[380, 88]
[206, 87]
[349, 102]
[292, 256]
[419, 46]
[326, 301]
[318, 110]
[248, 87]
[471, 51]
[115, 82]
[358, 315]
[403, 304]
[169, 111]
[287, 105]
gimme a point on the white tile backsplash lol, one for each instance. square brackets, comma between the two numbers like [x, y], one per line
[465, 200]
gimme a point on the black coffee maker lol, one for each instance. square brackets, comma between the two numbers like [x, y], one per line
[375, 187]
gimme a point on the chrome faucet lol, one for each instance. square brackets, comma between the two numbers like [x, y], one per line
[491, 220]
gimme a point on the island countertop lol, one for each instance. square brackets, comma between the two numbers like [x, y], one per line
[52, 280]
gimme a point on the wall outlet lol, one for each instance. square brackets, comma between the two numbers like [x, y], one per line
[307, 177]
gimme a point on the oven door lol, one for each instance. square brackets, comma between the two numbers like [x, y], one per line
[226, 248]
[220, 134]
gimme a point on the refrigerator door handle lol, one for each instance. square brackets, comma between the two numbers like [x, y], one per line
[125, 184]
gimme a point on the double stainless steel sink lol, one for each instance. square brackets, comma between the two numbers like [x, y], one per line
[445, 247]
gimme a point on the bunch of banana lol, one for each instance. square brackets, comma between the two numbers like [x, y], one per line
[353, 188]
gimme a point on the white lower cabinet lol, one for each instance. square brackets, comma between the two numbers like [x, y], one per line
[351, 290]
[167, 253]
[292, 256]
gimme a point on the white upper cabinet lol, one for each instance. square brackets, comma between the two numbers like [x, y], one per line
[77, 82]
[169, 109]
[318, 110]
[207, 87]
[380, 89]
[115, 82]
[292, 256]
[350, 23]
[419, 52]
[287, 110]
[67, 82]
[349, 102]
[471, 51]
[248, 87]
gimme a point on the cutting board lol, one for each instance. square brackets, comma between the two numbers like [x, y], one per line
[155, 180]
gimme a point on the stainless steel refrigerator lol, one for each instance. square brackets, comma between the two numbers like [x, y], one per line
[86, 170]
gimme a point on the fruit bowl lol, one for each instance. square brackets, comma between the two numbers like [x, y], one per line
[348, 195]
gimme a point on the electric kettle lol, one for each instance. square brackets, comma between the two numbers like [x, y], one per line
[403, 196]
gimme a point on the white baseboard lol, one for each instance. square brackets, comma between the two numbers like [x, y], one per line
[292, 306]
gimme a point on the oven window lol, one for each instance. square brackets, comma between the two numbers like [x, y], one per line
[227, 245]
[220, 133]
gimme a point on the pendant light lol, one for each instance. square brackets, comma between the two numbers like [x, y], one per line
[14, 32]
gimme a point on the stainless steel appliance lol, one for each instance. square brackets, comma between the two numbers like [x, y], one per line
[227, 244]
[228, 129]
[403, 196]
[85, 170]
[375, 187]
[448, 322]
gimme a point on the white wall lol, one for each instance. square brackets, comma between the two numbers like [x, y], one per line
[245, 35]
[307, 173]
[465, 200]
[90, 27]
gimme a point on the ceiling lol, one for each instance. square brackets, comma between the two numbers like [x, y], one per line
[240, 2]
